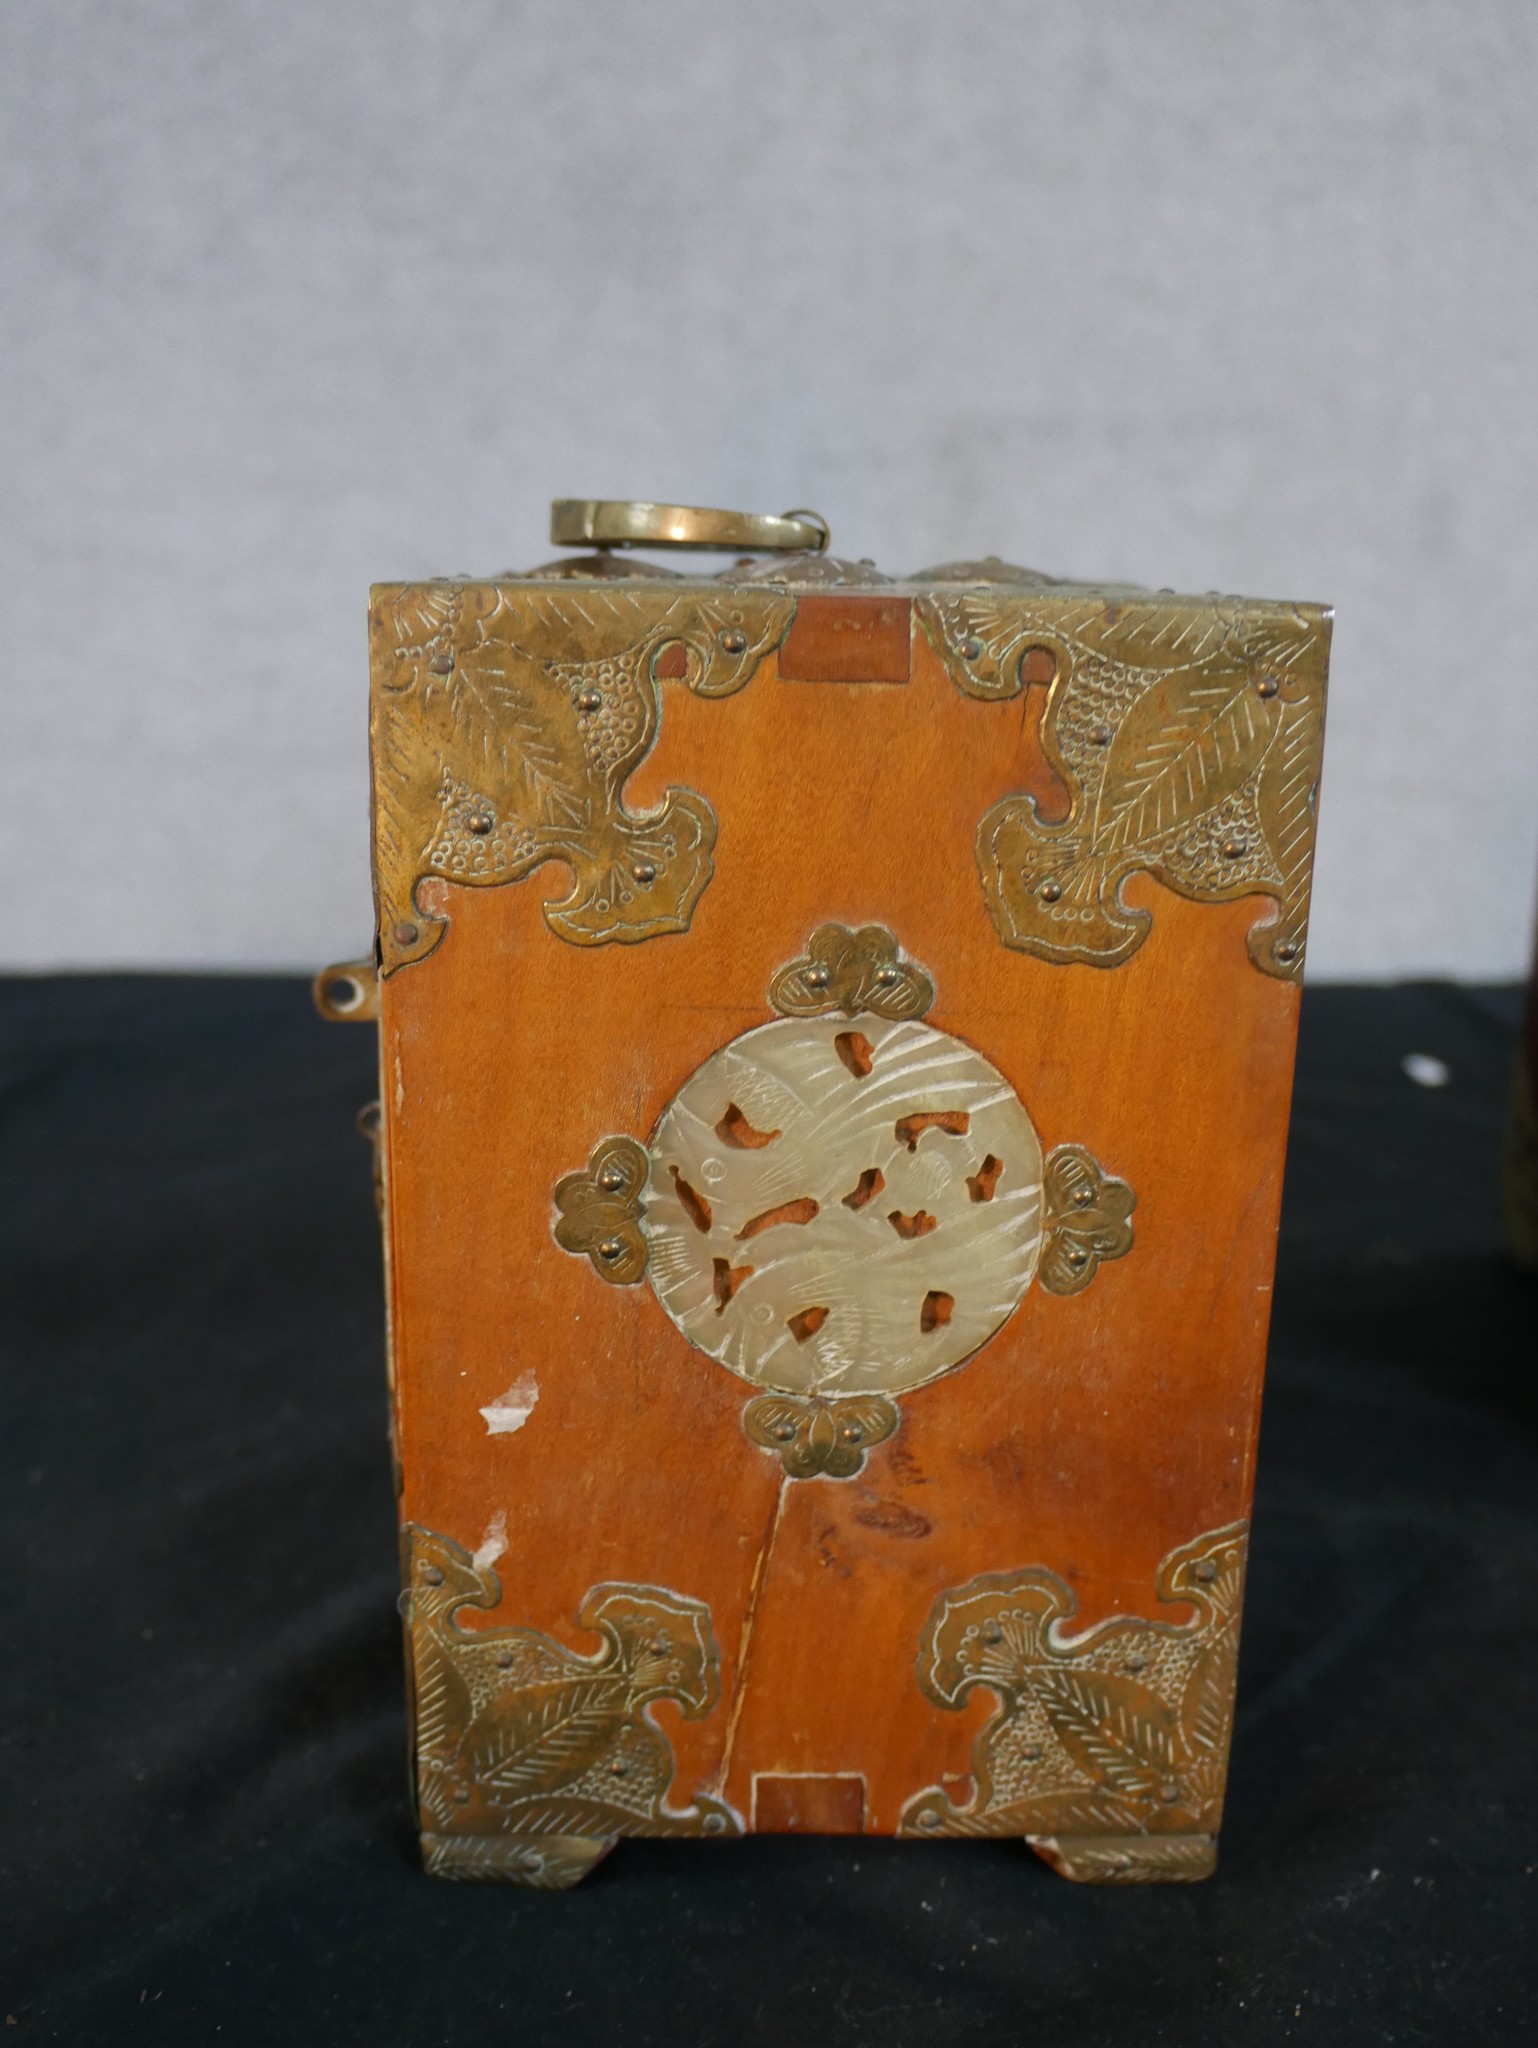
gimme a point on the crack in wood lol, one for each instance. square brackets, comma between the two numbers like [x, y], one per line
[739, 1693]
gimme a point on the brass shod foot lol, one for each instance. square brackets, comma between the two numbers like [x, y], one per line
[546, 1863]
[1129, 1859]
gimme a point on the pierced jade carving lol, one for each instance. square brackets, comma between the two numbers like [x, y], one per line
[836, 1211]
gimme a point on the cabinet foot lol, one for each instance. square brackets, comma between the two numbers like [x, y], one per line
[1129, 1859]
[548, 1863]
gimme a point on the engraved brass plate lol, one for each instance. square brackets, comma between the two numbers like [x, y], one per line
[1188, 738]
[1119, 1732]
[517, 1736]
[507, 719]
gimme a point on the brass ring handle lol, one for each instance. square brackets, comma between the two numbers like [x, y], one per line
[629, 523]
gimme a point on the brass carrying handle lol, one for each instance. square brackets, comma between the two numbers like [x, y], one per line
[629, 523]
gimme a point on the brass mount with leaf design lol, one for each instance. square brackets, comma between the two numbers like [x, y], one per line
[531, 1759]
[1109, 1748]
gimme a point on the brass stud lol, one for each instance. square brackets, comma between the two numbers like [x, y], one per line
[885, 976]
[590, 700]
[1267, 686]
[480, 823]
[817, 977]
[929, 1820]
[620, 1767]
[733, 640]
[852, 1433]
[504, 1660]
[784, 1431]
[1102, 736]
[433, 1576]
[442, 664]
[610, 1249]
[993, 1633]
[971, 647]
[1205, 1572]
[1082, 1197]
[1286, 951]
[644, 871]
[611, 1178]
[1236, 848]
[713, 1823]
[405, 934]
[1032, 1752]
[1049, 892]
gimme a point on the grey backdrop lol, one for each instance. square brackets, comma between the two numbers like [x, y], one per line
[296, 297]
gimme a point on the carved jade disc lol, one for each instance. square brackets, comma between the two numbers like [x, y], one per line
[843, 1205]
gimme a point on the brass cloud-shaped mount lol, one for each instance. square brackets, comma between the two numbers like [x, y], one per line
[852, 971]
[599, 1210]
[1088, 1218]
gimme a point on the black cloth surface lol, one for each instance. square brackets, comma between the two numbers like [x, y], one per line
[205, 1833]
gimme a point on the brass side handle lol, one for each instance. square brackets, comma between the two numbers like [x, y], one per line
[631, 523]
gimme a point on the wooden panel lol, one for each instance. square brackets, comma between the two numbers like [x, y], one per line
[788, 1805]
[849, 640]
